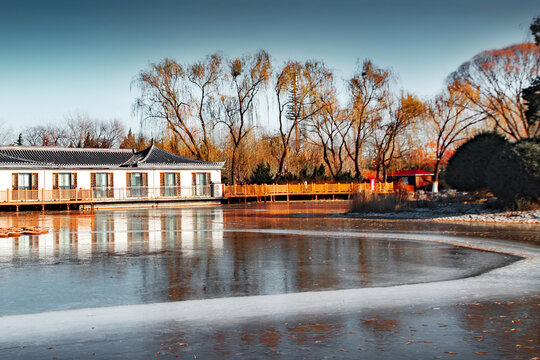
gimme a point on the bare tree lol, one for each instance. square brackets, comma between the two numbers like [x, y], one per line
[109, 133]
[184, 98]
[450, 122]
[301, 90]
[247, 75]
[79, 128]
[493, 82]
[369, 97]
[45, 135]
[386, 140]
[326, 129]
[6, 135]
[205, 75]
[164, 96]
[82, 131]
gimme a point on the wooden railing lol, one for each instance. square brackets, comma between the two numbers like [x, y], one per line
[185, 192]
[108, 194]
[302, 189]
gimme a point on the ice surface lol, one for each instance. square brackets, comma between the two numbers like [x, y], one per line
[521, 278]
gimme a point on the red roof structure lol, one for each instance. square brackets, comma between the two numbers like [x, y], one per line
[412, 172]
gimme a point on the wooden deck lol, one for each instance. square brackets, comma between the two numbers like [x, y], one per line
[82, 198]
[271, 191]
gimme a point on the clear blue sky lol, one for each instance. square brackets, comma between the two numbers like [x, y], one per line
[59, 57]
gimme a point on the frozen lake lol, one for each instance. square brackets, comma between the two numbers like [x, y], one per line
[131, 257]
[148, 256]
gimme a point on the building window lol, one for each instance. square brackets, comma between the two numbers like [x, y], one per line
[64, 181]
[201, 183]
[136, 179]
[25, 182]
[169, 180]
[102, 180]
[102, 184]
[170, 184]
[137, 184]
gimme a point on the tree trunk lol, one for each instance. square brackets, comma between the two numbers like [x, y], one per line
[436, 170]
[233, 165]
[327, 161]
[281, 164]
[435, 185]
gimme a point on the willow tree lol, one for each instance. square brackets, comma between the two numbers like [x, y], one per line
[493, 81]
[246, 76]
[300, 90]
[206, 76]
[178, 96]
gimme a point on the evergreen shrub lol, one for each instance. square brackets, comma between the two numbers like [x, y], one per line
[261, 174]
[466, 170]
[513, 175]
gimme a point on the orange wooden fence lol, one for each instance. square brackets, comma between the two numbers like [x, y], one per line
[272, 190]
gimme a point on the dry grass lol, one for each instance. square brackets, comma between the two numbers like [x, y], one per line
[400, 200]
[526, 204]
[368, 201]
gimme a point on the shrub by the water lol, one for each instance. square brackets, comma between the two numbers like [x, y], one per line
[261, 174]
[367, 201]
[345, 177]
[467, 168]
[514, 174]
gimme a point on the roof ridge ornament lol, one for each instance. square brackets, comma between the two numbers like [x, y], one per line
[149, 151]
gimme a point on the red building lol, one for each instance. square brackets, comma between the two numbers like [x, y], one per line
[414, 179]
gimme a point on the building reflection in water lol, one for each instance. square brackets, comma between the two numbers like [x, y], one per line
[115, 233]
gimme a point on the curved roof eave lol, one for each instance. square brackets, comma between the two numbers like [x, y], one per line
[202, 165]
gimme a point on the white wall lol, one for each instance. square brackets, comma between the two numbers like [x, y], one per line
[83, 179]
[215, 176]
[45, 177]
[5, 179]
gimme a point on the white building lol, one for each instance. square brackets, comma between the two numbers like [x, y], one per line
[49, 174]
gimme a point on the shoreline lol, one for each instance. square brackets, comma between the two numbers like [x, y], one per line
[455, 213]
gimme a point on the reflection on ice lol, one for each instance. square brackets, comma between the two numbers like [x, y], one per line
[84, 236]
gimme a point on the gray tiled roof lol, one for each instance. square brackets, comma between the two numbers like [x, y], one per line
[7, 159]
[45, 157]
[155, 156]
[68, 156]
